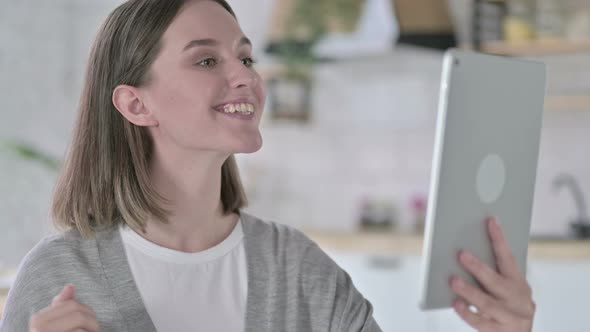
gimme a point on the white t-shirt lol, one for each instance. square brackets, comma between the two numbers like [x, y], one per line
[203, 291]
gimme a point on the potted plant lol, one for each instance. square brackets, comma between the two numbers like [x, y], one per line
[305, 24]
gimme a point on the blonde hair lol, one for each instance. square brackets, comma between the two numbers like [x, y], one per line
[104, 180]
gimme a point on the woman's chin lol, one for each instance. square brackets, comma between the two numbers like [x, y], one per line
[250, 146]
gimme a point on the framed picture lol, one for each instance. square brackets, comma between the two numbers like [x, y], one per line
[289, 98]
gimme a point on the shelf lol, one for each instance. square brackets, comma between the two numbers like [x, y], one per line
[567, 103]
[3, 296]
[537, 47]
[411, 244]
[552, 102]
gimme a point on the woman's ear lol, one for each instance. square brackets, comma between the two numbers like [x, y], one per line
[128, 102]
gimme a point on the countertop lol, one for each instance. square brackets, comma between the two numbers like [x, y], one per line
[3, 294]
[399, 244]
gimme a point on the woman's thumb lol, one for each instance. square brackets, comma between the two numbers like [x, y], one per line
[67, 293]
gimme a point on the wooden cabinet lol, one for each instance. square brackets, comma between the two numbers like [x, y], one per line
[3, 295]
[390, 282]
[572, 95]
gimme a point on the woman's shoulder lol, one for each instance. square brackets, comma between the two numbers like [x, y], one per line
[60, 246]
[58, 255]
[273, 234]
[293, 262]
[286, 245]
[60, 258]
[54, 261]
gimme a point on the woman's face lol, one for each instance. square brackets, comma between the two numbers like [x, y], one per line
[202, 74]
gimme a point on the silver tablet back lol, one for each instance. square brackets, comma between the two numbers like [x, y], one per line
[484, 164]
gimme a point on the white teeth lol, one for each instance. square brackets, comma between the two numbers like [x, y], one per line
[242, 108]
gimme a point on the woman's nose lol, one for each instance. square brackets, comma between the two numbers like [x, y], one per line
[241, 76]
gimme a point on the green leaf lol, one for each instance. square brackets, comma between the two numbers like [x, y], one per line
[30, 152]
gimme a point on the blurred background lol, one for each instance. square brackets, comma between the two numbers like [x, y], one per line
[348, 131]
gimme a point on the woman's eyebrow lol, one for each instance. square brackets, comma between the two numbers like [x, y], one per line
[212, 42]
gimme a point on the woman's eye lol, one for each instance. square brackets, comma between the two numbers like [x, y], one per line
[207, 63]
[248, 62]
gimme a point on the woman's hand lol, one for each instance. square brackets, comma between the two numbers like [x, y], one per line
[64, 315]
[507, 306]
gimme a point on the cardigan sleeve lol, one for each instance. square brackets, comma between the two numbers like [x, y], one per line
[332, 296]
[28, 293]
[54, 262]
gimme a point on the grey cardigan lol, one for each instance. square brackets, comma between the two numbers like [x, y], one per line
[292, 284]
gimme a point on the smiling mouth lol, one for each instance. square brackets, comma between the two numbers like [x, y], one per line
[239, 108]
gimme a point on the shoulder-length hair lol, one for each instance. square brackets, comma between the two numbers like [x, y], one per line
[104, 180]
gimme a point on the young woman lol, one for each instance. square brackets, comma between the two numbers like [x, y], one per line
[149, 202]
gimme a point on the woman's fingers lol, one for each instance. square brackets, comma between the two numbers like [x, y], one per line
[515, 293]
[486, 305]
[520, 300]
[493, 282]
[67, 293]
[505, 303]
[64, 316]
[505, 260]
[474, 320]
[72, 321]
[54, 312]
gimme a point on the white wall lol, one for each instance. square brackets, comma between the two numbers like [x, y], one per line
[43, 50]
[373, 133]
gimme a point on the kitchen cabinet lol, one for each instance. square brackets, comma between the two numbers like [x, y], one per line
[565, 92]
[561, 289]
[385, 268]
[391, 283]
[566, 37]
[537, 48]
[2, 302]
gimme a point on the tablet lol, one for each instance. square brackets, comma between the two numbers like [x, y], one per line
[484, 164]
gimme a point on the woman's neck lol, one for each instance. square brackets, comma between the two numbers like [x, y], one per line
[193, 186]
